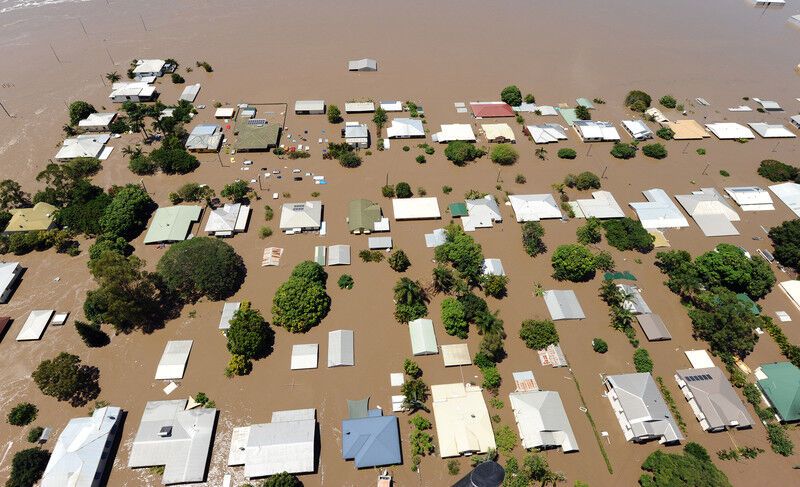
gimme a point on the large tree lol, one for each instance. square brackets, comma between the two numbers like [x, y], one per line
[786, 240]
[628, 234]
[79, 110]
[538, 334]
[573, 263]
[728, 266]
[727, 324]
[66, 379]
[300, 304]
[127, 214]
[249, 334]
[462, 252]
[689, 469]
[27, 467]
[12, 196]
[202, 267]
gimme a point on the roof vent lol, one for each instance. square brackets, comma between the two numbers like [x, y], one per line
[165, 431]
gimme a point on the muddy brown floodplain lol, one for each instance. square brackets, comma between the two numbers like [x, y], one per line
[434, 53]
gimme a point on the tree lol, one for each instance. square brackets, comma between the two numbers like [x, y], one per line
[665, 133]
[504, 154]
[379, 119]
[628, 234]
[64, 378]
[349, 160]
[334, 114]
[443, 279]
[300, 304]
[642, 360]
[249, 334]
[238, 191]
[668, 101]
[582, 113]
[192, 192]
[603, 261]
[12, 196]
[567, 153]
[529, 98]
[411, 369]
[511, 95]
[656, 151]
[728, 266]
[786, 242]
[460, 152]
[638, 101]
[91, 334]
[86, 207]
[62, 179]
[462, 252]
[622, 150]
[22, 414]
[494, 285]
[416, 394]
[177, 78]
[474, 306]
[282, 479]
[599, 345]
[127, 214]
[589, 232]
[172, 157]
[345, 281]
[113, 77]
[573, 263]
[779, 439]
[671, 469]
[403, 190]
[398, 261]
[777, 171]
[311, 271]
[202, 267]
[727, 324]
[453, 318]
[142, 165]
[27, 467]
[78, 110]
[538, 334]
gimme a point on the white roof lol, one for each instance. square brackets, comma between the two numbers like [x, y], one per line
[602, 205]
[230, 218]
[309, 105]
[640, 408]
[481, 213]
[497, 130]
[416, 208]
[34, 326]
[638, 129]
[339, 255]
[228, 310]
[190, 93]
[730, 131]
[304, 356]
[751, 198]
[136, 88]
[405, 127]
[184, 451]
[792, 290]
[224, 112]
[659, 211]
[462, 420]
[356, 132]
[340, 348]
[771, 130]
[456, 354]
[80, 453]
[710, 211]
[98, 120]
[287, 444]
[699, 359]
[379, 243]
[365, 64]
[9, 272]
[145, 66]
[563, 305]
[173, 361]
[768, 104]
[423, 339]
[542, 420]
[547, 133]
[455, 131]
[596, 130]
[392, 105]
[657, 115]
[493, 267]
[359, 107]
[789, 193]
[307, 215]
[87, 145]
[534, 207]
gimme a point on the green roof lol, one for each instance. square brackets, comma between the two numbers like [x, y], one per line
[745, 299]
[362, 215]
[172, 224]
[584, 102]
[568, 114]
[610, 276]
[38, 218]
[256, 137]
[782, 389]
[458, 209]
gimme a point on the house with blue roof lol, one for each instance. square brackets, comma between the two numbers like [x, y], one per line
[371, 441]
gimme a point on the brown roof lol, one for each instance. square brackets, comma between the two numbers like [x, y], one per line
[4, 322]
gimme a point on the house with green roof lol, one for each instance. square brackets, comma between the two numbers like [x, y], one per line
[780, 384]
[254, 134]
[364, 216]
[37, 219]
[172, 223]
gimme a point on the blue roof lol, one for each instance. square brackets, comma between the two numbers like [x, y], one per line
[372, 442]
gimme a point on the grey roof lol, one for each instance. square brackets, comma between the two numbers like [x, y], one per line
[307, 215]
[372, 441]
[287, 444]
[563, 305]
[228, 310]
[542, 421]
[309, 106]
[205, 137]
[183, 450]
[710, 211]
[718, 405]
[339, 255]
[634, 302]
[379, 243]
[340, 348]
[653, 327]
[190, 92]
[423, 339]
[365, 64]
[355, 130]
[9, 273]
[643, 407]
[82, 450]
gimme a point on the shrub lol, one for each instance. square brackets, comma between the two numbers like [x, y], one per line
[349, 160]
[589, 232]
[504, 154]
[494, 286]
[491, 379]
[724, 173]
[628, 234]
[22, 414]
[638, 101]
[371, 255]
[665, 133]
[460, 152]
[779, 440]
[283, 479]
[642, 360]
[388, 191]
[238, 365]
[411, 369]
[567, 153]
[599, 345]
[529, 98]
[420, 159]
[701, 152]
[177, 79]
[406, 148]
[622, 150]
[587, 180]
[532, 233]
[264, 232]
[398, 261]
[663, 469]
[345, 282]
[777, 171]
[453, 467]
[403, 190]
[582, 113]
[786, 241]
[334, 114]
[538, 334]
[520, 179]
[573, 263]
[668, 101]
[34, 434]
[505, 439]
[603, 261]
[656, 151]
[202, 267]
[142, 165]
[511, 95]
[447, 189]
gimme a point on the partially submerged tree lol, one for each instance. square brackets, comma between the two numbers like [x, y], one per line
[66, 379]
[202, 267]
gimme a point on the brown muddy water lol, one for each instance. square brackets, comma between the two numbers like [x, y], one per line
[435, 53]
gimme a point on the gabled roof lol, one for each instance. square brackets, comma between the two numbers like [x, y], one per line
[454, 131]
[373, 441]
[339, 255]
[38, 218]
[363, 214]
[307, 215]
[98, 120]
[659, 211]
[172, 223]
[423, 339]
[596, 130]
[542, 421]
[563, 305]
[751, 198]
[717, 403]
[642, 407]
[34, 326]
[686, 130]
[228, 310]
[9, 273]
[340, 348]
[534, 207]
[416, 208]
[86, 145]
[309, 106]
[481, 213]
[634, 302]
[205, 137]
[462, 420]
[638, 129]
[491, 109]
[145, 66]
[780, 383]
[498, 131]
[359, 107]
[771, 131]
[190, 93]
[792, 290]
[789, 193]
[131, 89]
[602, 205]
[710, 211]
[405, 127]
[255, 134]
[365, 64]
[653, 327]
[730, 131]
[228, 219]
[493, 267]
[547, 133]
[173, 361]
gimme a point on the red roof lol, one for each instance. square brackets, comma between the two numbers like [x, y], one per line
[488, 110]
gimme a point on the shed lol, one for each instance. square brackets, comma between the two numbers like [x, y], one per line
[339, 255]
[493, 267]
[699, 359]
[340, 348]
[309, 107]
[305, 356]
[792, 291]
[190, 93]
[320, 251]
[365, 64]
[380, 243]
[563, 305]
[225, 112]
[456, 354]
[173, 361]
[228, 311]
[423, 339]
[10, 273]
[416, 208]
[392, 105]
[34, 326]
[359, 107]
[653, 327]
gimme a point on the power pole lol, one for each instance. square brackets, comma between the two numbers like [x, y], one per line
[54, 54]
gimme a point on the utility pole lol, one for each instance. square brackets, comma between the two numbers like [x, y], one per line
[143, 24]
[686, 148]
[84, 28]
[54, 54]
[603, 176]
[706, 169]
[589, 152]
[4, 109]
[775, 149]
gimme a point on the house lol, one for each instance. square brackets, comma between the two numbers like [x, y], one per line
[301, 217]
[173, 361]
[730, 131]
[542, 421]
[205, 138]
[596, 131]
[769, 106]
[146, 68]
[340, 348]
[228, 220]
[136, 91]
[364, 216]
[10, 273]
[405, 128]
[34, 326]
[190, 93]
[372, 441]
[359, 107]
[454, 131]
[481, 213]
[423, 339]
[563, 305]
[602, 205]
[710, 211]
[792, 290]
[462, 420]
[653, 327]
[640, 409]
[85, 145]
[172, 223]
[534, 207]
[637, 129]
[659, 211]
[416, 208]
[176, 438]
[751, 198]
[456, 354]
[789, 193]
[491, 109]
[228, 312]
[780, 385]
[686, 130]
[40, 218]
[83, 450]
[634, 302]
[771, 131]
[98, 122]
[356, 135]
[365, 64]
[546, 133]
[499, 132]
[713, 400]
[254, 134]
[391, 105]
[309, 107]
[795, 120]
[286, 444]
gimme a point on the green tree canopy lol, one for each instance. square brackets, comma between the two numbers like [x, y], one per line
[78, 110]
[573, 263]
[282, 479]
[638, 101]
[249, 334]
[462, 252]
[786, 241]
[729, 267]
[22, 414]
[403, 190]
[504, 154]
[334, 114]
[460, 152]
[727, 324]
[628, 234]
[127, 214]
[532, 233]
[511, 95]
[589, 232]
[582, 113]
[202, 267]
[681, 470]
[12, 196]
[172, 157]
[308, 269]
[237, 191]
[778, 172]
[27, 467]
[453, 318]
[538, 334]
[399, 261]
[66, 379]
[621, 150]
[300, 304]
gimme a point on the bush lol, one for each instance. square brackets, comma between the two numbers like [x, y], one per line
[79, 110]
[453, 467]
[589, 232]
[411, 369]
[237, 191]
[582, 113]
[529, 98]
[599, 345]
[264, 232]
[388, 191]
[532, 233]
[420, 159]
[403, 190]
[567, 153]
[777, 171]
[505, 439]
[300, 304]
[638, 101]
[587, 180]
[453, 318]
[172, 157]
[779, 439]
[142, 165]
[668, 101]
[202, 267]
[786, 242]
[127, 214]
[398, 261]
[642, 360]
[27, 467]
[520, 179]
[460, 152]
[334, 114]
[177, 79]
[670, 469]
[573, 263]
[504, 154]
[345, 282]
[491, 379]
[494, 286]
[622, 150]
[238, 365]
[22, 414]
[511, 95]
[371, 255]
[282, 479]
[603, 261]
[91, 334]
[628, 234]
[538, 334]
[349, 160]
[34, 434]
[665, 133]
[656, 151]
[724, 173]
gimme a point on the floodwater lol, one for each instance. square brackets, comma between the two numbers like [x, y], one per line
[435, 53]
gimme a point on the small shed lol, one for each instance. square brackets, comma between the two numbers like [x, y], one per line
[359, 107]
[699, 359]
[379, 243]
[225, 112]
[305, 356]
[34, 326]
[339, 255]
[319, 254]
[190, 93]
[423, 340]
[173, 361]
[309, 107]
[653, 327]
[563, 305]
[228, 310]
[365, 64]
[456, 354]
[340, 348]
[493, 267]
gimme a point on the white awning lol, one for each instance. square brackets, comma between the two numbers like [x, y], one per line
[173, 361]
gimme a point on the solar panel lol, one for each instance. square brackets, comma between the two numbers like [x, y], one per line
[257, 121]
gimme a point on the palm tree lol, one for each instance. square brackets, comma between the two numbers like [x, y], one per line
[443, 279]
[553, 478]
[69, 130]
[409, 292]
[541, 153]
[133, 152]
[113, 77]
